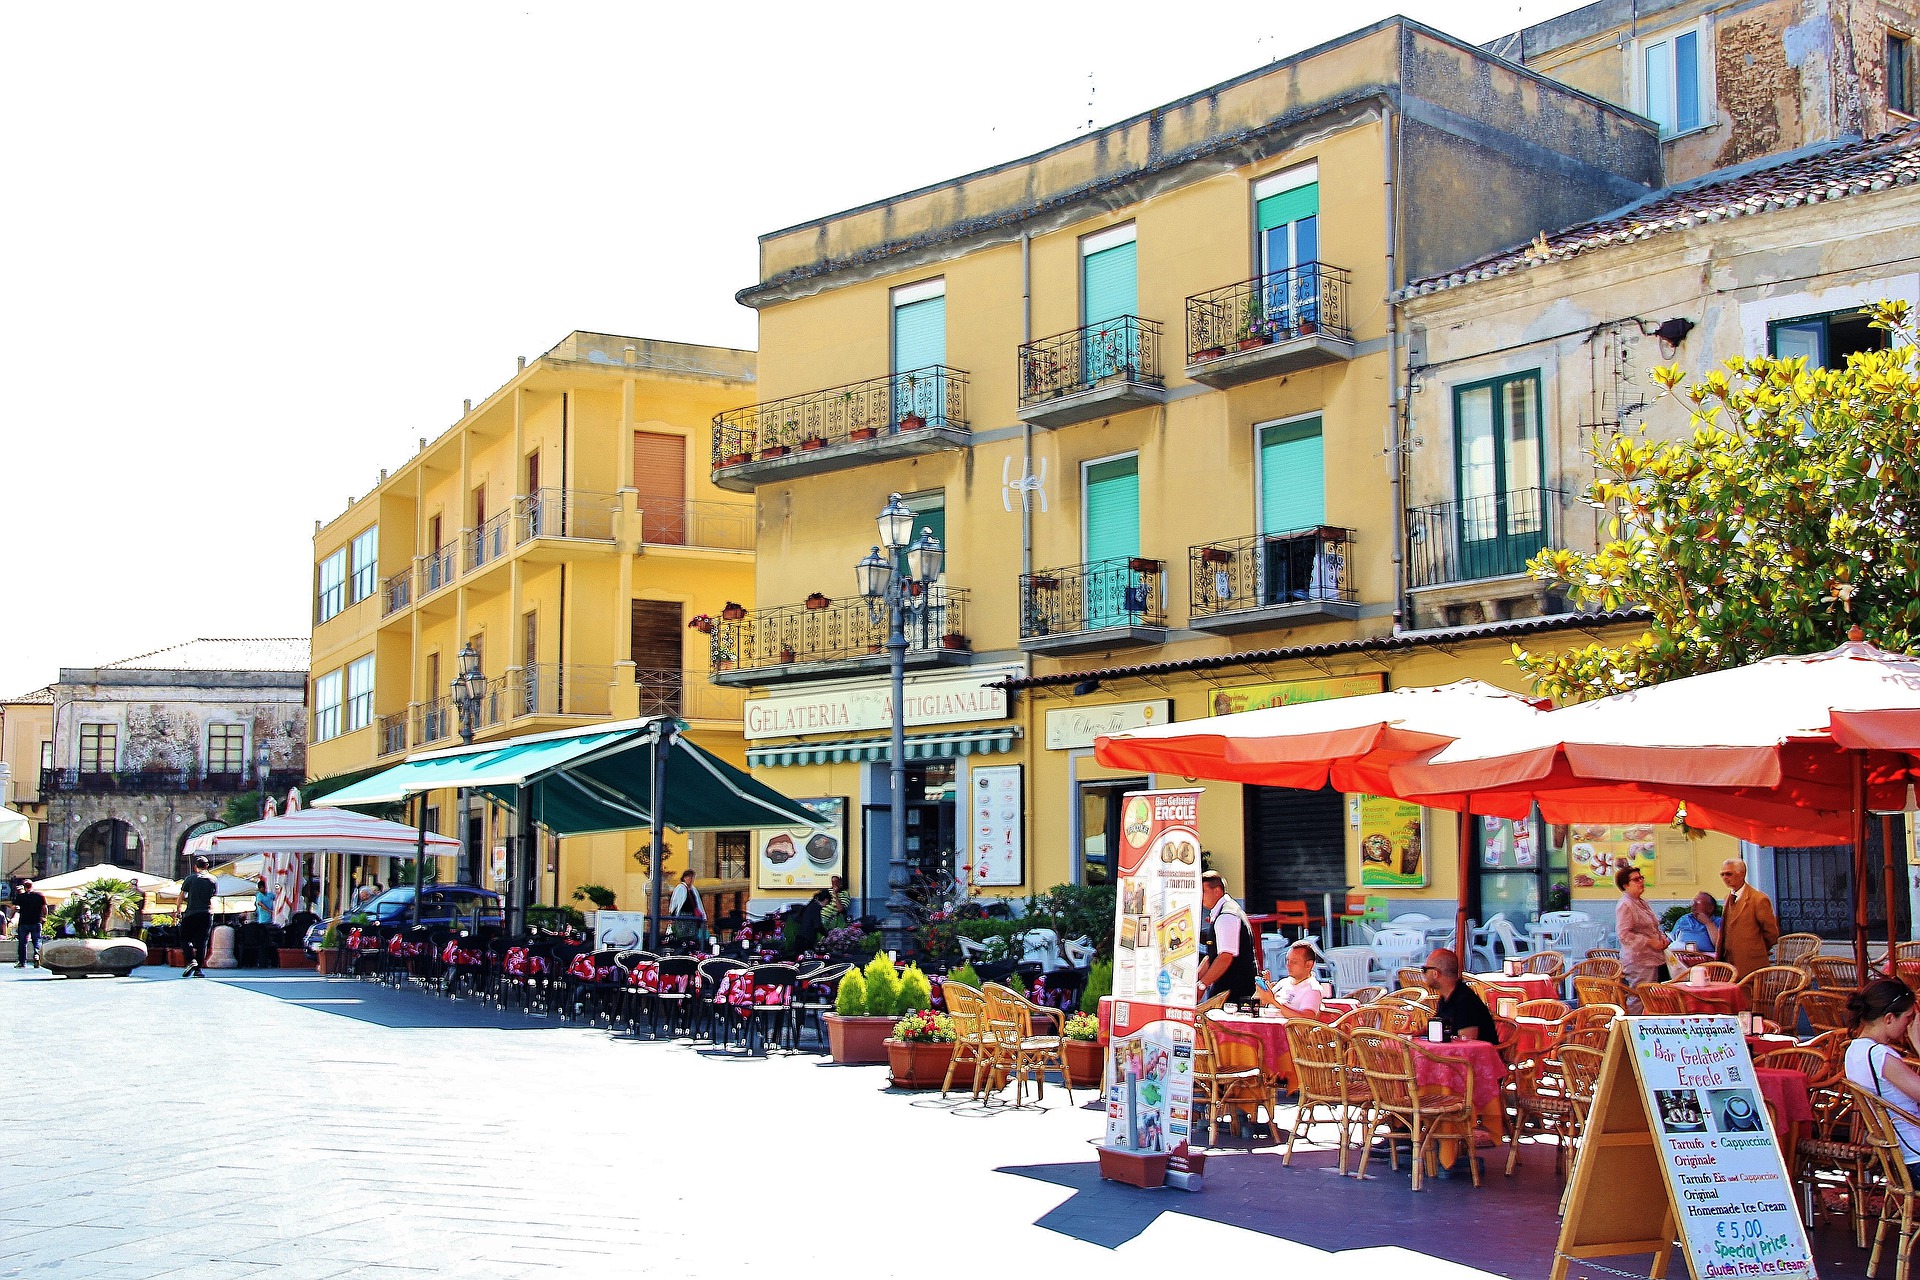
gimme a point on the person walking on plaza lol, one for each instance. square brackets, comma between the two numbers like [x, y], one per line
[196, 916]
[688, 911]
[1643, 947]
[1226, 942]
[1748, 928]
[32, 906]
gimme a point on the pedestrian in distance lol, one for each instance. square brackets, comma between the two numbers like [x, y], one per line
[688, 911]
[1748, 927]
[196, 916]
[262, 901]
[32, 906]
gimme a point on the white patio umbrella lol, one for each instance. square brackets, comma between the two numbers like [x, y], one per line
[14, 826]
[73, 881]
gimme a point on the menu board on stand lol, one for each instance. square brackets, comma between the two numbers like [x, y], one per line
[1156, 969]
[995, 846]
[1680, 1139]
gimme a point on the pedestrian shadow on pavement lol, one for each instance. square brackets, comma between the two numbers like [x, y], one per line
[398, 1009]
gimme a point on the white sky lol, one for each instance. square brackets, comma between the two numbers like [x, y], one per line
[255, 251]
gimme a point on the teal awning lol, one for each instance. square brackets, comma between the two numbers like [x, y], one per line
[590, 781]
[920, 746]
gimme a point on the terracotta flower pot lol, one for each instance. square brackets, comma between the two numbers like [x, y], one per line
[177, 957]
[1083, 1062]
[858, 1041]
[918, 1066]
[333, 960]
[735, 459]
[863, 433]
[1135, 1168]
[294, 958]
[912, 422]
[813, 442]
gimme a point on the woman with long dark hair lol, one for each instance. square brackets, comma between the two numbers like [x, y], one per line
[1881, 1014]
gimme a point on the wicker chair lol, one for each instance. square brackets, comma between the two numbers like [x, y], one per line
[1716, 970]
[1017, 1050]
[1551, 1010]
[967, 1007]
[1409, 976]
[1411, 995]
[1765, 987]
[1793, 948]
[1825, 1010]
[1834, 973]
[1600, 991]
[1802, 1058]
[1660, 999]
[1388, 1015]
[1595, 967]
[1550, 963]
[1875, 1117]
[1229, 1075]
[1327, 1083]
[1604, 953]
[1365, 995]
[1545, 1099]
[1388, 1063]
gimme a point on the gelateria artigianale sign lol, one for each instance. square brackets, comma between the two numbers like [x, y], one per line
[954, 699]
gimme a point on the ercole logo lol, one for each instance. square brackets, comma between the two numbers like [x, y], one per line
[1137, 822]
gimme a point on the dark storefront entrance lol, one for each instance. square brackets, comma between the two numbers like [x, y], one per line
[1296, 847]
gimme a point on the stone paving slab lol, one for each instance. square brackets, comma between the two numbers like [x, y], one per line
[300, 1128]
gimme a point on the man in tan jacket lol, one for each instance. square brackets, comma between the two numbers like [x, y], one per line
[1748, 929]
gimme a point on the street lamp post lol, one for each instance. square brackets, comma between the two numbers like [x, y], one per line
[465, 690]
[885, 587]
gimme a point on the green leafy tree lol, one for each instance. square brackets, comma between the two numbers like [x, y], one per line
[883, 986]
[850, 1001]
[1789, 514]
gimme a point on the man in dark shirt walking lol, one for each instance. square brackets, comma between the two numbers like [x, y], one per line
[33, 912]
[196, 916]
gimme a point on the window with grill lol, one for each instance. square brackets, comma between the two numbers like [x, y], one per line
[332, 593]
[1900, 73]
[360, 693]
[226, 748]
[99, 747]
[366, 565]
[730, 854]
[326, 707]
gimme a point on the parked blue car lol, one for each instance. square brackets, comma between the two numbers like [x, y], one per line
[454, 906]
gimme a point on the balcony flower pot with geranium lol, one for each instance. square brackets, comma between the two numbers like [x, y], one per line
[1080, 1046]
[701, 622]
[817, 601]
[736, 459]
[864, 433]
[920, 1050]
[953, 640]
[733, 612]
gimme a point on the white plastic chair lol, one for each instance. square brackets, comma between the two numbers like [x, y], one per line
[1479, 945]
[1352, 967]
[1395, 948]
[1508, 940]
[1042, 947]
[1080, 952]
[1584, 936]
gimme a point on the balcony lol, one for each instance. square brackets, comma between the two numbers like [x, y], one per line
[1467, 560]
[1091, 372]
[432, 722]
[564, 513]
[558, 689]
[396, 593]
[1272, 580]
[92, 782]
[687, 694]
[1104, 604]
[795, 642]
[908, 414]
[722, 526]
[434, 571]
[391, 732]
[481, 547]
[1278, 323]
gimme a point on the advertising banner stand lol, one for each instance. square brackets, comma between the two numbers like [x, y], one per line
[1156, 968]
[1679, 1145]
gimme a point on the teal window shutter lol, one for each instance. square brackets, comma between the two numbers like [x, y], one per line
[1293, 477]
[1113, 509]
[1288, 206]
[920, 334]
[1111, 285]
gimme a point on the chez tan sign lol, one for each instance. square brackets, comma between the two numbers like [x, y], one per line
[860, 708]
[1079, 726]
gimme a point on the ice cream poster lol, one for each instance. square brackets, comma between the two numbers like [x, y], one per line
[803, 857]
[1392, 843]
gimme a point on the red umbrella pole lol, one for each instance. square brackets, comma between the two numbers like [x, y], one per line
[1887, 876]
[1465, 860]
[1859, 760]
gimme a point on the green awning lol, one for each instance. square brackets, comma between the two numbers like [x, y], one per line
[920, 746]
[590, 781]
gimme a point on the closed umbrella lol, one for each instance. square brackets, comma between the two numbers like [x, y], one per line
[14, 826]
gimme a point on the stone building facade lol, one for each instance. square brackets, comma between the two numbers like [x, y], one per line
[147, 752]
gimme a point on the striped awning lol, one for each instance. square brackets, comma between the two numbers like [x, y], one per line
[920, 746]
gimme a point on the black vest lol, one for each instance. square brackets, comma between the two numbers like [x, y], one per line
[1238, 981]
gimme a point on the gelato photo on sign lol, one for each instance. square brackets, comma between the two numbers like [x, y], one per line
[801, 857]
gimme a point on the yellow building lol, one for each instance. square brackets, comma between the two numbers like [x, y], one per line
[1143, 387]
[566, 530]
[26, 750]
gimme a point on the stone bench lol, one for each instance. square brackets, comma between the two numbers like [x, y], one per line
[78, 957]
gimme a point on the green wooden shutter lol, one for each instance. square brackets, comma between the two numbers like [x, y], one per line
[1113, 509]
[1111, 283]
[1288, 206]
[920, 334]
[1293, 477]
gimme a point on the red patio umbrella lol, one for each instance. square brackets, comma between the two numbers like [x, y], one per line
[1803, 746]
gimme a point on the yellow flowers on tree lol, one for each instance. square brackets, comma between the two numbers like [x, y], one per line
[1791, 513]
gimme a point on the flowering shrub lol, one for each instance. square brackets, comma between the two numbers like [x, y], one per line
[883, 986]
[845, 940]
[1082, 1026]
[924, 1027]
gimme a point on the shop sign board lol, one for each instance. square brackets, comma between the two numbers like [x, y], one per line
[788, 858]
[862, 707]
[623, 930]
[996, 844]
[1156, 966]
[1392, 844]
[1287, 693]
[1079, 726]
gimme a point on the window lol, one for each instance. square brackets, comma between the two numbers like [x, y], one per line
[333, 585]
[366, 565]
[1496, 433]
[1670, 81]
[326, 707]
[929, 512]
[1109, 290]
[360, 693]
[1900, 74]
[920, 343]
[1286, 216]
[1112, 507]
[1293, 501]
[99, 747]
[46, 755]
[1826, 341]
[226, 748]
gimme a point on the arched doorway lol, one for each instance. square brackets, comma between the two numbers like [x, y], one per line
[110, 840]
[186, 837]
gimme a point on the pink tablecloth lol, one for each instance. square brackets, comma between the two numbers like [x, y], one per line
[1788, 1093]
[1432, 1066]
[1537, 1035]
[1270, 1032]
[1528, 986]
[1712, 997]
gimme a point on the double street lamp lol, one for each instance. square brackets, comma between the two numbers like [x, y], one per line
[886, 588]
[466, 689]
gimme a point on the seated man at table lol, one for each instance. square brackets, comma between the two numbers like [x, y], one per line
[1298, 992]
[1462, 1012]
[1699, 929]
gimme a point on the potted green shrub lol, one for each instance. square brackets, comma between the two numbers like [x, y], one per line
[920, 1050]
[1080, 1046]
[332, 951]
[864, 1010]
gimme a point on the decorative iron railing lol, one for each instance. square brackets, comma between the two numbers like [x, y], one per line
[432, 721]
[392, 731]
[434, 570]
[935, 396]
[1488, 537]
[396, 593]
[1298, 302]
[485, 544]
[671, 692]
[564, 513]
[936, 619]
[1125, 348]
[163, 781]
[1092, 596]
[1271, 569]
[559, 689]
[727, 525]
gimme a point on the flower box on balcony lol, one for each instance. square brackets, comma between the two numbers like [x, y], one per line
[1215, 555]
[733, 612]
[786, 657]
[1253, 340]
[813, 442]
[912, 422]
[1208, 353]
[775, 451]
[817, 601]
[1044, 582]
[953, 640]
[864, 433]
[1308, 328]
[1141, 564]
[736, 459]
[702, 623]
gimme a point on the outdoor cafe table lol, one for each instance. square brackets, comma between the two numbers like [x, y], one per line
[1271, 1031]
[1442, 1067]
[1527, 986]
[1712, 997]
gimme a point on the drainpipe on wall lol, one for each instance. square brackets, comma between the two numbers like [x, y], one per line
[1396, 453]
[1026, 428]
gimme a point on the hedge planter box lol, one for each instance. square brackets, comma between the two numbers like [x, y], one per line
[919, 1066]
[1083, 1062]
[1135, 1168]
[859, 1041]
[333, 960]
[294, 958]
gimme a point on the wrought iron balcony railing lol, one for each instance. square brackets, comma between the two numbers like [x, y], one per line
[1125, 348]
[432, 722]
[392, 733]
[796, 634]
[1299, 567]
[672, 692]
[726, 525]
[1092, 597]
[434, 570]
[564, 513]
[559, 689]
[396, 593]
[163, 781]
[931, 397]
[1488, 537]
[1299, 302]
[485, 544]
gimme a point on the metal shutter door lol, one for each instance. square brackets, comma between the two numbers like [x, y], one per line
[1295, 842]
[1293, 477]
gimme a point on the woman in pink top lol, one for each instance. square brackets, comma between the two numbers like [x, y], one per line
[1643, 947]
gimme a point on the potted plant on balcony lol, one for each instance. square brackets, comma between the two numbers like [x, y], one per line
[786, 655]
[1215, 555]
[911, 420]
[733, 611]
[953, 640]
[1255, 332]
[815, 600]
[1142, 564]
[1205, 354]
[701, 622]
[736, 458]
[1043, 582]
[774, 451]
